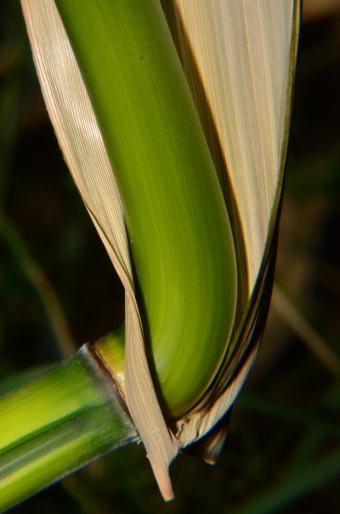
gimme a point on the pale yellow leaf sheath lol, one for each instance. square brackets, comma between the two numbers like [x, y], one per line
[239, 59]
[81, 142]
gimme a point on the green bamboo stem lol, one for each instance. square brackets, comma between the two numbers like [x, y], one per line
[58, 423]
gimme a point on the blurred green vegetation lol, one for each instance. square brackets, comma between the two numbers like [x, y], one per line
[283, 449]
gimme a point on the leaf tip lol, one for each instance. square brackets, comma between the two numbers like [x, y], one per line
[163, 480]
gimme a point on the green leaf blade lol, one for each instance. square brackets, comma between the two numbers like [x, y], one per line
[178, 226]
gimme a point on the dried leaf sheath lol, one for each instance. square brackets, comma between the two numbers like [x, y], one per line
[238, 69]
[81, 142]
[239, 59]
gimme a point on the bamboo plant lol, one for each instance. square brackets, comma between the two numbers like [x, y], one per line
[173, 119]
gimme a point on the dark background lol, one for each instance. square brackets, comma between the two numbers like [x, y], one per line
[283, 450]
